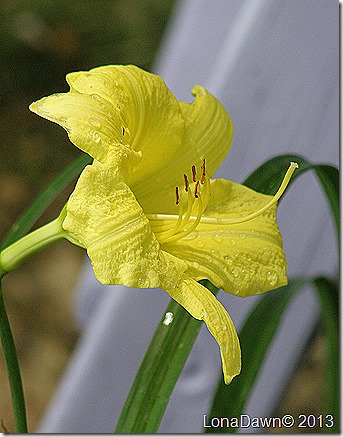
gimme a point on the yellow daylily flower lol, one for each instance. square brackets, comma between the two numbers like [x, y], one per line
[146, 209]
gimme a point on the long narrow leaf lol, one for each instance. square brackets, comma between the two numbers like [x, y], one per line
[230, 400]
[328, 293]
[16, 386]
[159, 371]
[35, 210]
[268, 176]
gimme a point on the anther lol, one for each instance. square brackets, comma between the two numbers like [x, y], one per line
[185, 181]
[203, 172]
[196, 189]
[177, 195]
[193, 173]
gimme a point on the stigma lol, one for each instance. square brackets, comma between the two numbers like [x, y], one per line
[192, 199]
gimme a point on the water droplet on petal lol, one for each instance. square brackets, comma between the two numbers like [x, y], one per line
[224, 327]
[191, 236]
[96, 97]
[218, 238]
[94, 122]
[243, 236]
[235, 272]
[272, 278]
[43, 109]
[233, 242]
[200, 243]
[196, 265]
[95, 136]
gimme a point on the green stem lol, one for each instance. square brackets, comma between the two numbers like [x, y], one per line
[16, 253]
[10, 258]
[18, 400]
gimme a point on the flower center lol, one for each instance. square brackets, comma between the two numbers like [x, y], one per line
[193, 199]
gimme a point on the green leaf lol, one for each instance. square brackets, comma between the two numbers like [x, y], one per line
[328, 292]
[159, 371]
[16, 386]
[230, 400]
[35, 210]
[267, 178]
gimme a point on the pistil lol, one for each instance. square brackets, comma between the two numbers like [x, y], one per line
[197, 200]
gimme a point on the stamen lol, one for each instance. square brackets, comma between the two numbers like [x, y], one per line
[189, 208]
[177, 195]
[167, 233]
[185, 181]
[186, 232]
[197, 201]
[203, 197]
[196, 189]
[203, 173]
[194, 175]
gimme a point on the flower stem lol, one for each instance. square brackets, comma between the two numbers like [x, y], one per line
[18, 400]
[16, 253]
[10, 258]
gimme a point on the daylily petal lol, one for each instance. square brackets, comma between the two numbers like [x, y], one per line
[151, 115]
[208, 135]
[146, 210]
[93, 125]
[203, 305]
[103, 214]
[243, 259]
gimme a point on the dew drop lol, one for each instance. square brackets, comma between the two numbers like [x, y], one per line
[228, 260]
[209, 259]
[224, 327]
[243, 236]
[218, 238]
[233, 242]
[95, 136]
[96, 97]
[200, 243]
[191, 236]
[272, 278]
[235, 272]
[43, 109]
[94, 122]
[196, 265]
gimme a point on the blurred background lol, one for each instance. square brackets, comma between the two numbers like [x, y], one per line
[40, 43]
